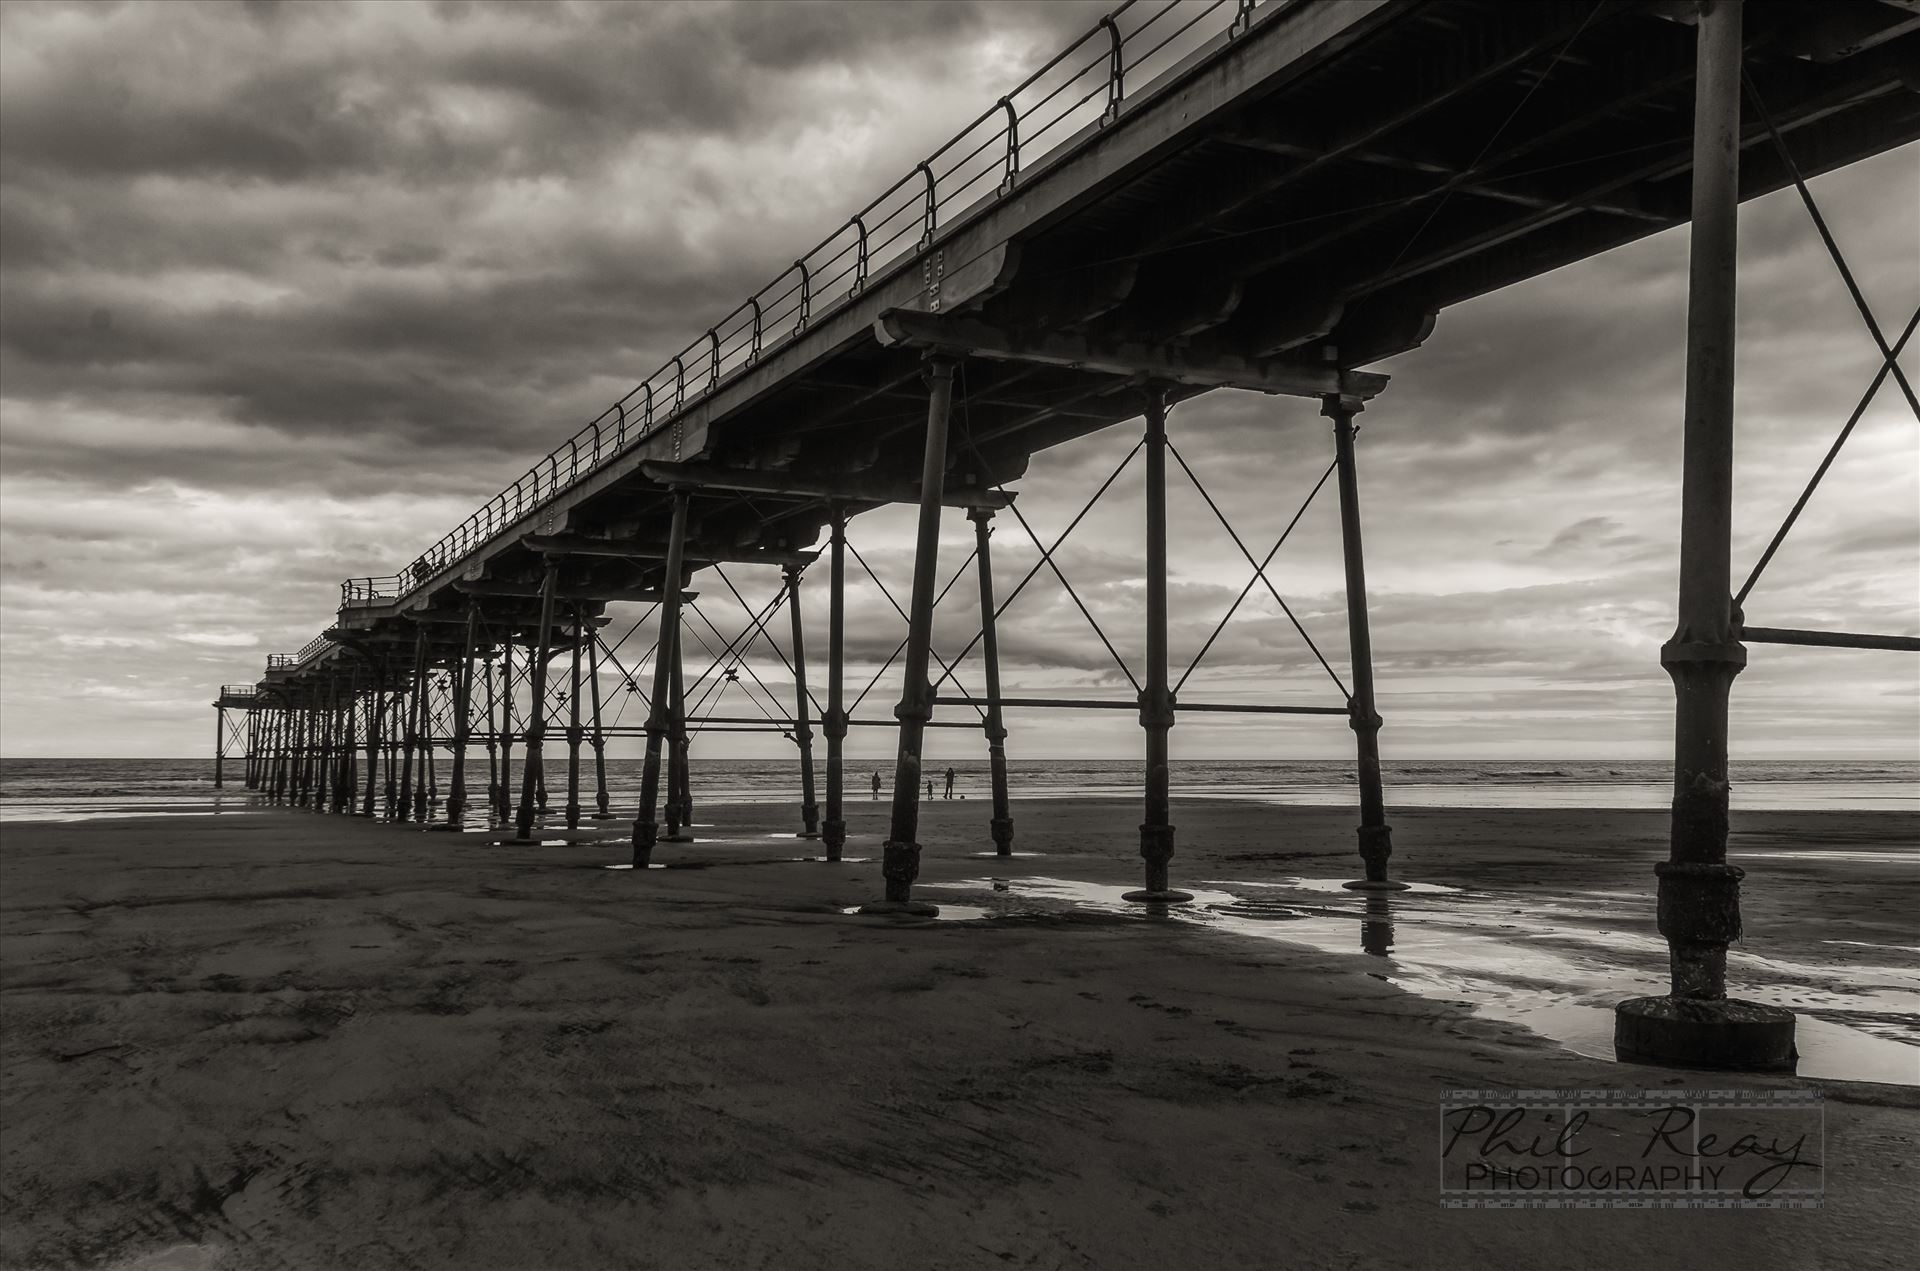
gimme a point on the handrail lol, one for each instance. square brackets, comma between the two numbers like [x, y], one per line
[374, 590]
[820, 289]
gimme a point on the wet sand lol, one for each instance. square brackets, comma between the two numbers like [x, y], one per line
[279, 1040]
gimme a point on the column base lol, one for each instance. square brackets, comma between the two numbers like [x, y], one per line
[1375, 884]
[1722, 1033]
[601, 816]
[900, 909]
[1166, 896]
[681, 837]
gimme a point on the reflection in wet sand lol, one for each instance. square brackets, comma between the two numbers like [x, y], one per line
[1554, 967]
[947, 913]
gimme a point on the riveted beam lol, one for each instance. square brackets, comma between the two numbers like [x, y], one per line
[633, 549]
[495, 587]
[961, 336]
[842, 489]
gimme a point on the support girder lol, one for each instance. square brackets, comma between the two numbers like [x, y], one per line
[1201, 368]
[636, 549]
[844, 489]
[1459, 62]
[1629, 204]
[492, 618]
[501, 587]
[1539, 245]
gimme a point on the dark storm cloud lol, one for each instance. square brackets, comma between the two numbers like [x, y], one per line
[300, 92]
[287, 289]
[419, 226]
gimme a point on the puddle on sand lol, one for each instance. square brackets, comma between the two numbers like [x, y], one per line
[1820, 856]
[1338, 886]
[948, 913]
[1827, 1050]
[844, 860]
[1009, 856]
[1506, 959]
[9, 815]
[629, 865]
[1868, 944]
[1074, 892]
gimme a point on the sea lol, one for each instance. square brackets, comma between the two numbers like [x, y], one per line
[74, 789]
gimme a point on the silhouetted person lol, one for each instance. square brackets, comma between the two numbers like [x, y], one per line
[876, 785]
[929, 787]
[949, 783]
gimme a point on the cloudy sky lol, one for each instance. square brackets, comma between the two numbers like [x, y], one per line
[286, 291]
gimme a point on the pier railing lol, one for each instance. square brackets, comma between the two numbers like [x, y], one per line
[371, 591]
[281, 661]
[1084, 85]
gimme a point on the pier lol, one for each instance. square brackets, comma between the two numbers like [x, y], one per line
[1264, 197]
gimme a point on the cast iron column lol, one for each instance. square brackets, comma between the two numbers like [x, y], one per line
[219, 746]
[493, 742]
[802, 724]
[532, 765]
[645, 829]
[599, 739]
[270, 768]
[1376, 836]
[297, 758]
[373, 709]
[276, 749]
[285, 783]
[900, 860]
[573, 726]
[1156, 698]
[322, 747]
[679, 801]
[426, 792]
[304, 786]
[462, 722]
[833, 831]
[506, 730]
[270, 773]
[996, 729]
[409, 739]
[323, 753]
[343, 789]
[1697, 1025]
[683, 742]
[296, 720]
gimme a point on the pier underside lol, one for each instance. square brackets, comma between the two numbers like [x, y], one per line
[1300, 196]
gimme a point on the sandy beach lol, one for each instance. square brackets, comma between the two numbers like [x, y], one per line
[271, 1039]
